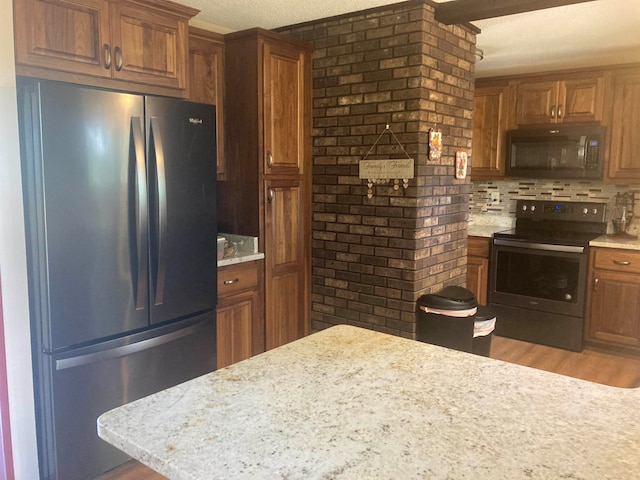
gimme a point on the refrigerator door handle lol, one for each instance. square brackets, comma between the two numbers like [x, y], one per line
[141, 215]
[124, 350]
[161, 189]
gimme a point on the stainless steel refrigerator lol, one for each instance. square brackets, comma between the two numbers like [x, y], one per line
[121, 239]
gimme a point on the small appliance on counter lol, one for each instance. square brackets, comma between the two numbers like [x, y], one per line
[623, 215]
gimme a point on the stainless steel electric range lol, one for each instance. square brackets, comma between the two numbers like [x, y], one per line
[538, 271]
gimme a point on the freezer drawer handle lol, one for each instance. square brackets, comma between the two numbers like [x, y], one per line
[124, 350]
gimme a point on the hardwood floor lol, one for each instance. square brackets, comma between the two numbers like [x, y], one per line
[591, 365]
[594, 366]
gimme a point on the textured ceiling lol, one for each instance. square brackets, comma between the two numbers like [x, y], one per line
[594, 33]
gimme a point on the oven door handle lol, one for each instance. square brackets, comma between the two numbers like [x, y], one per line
[549, 247]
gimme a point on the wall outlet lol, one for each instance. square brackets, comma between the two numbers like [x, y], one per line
[494, 197]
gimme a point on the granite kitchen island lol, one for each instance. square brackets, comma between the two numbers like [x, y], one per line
[349, 403]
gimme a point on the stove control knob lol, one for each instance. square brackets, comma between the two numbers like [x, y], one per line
[585, 210]
[595, 211]
[524, 208]
[533, 208]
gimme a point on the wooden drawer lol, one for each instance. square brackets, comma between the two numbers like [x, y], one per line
[478, 247]
[237, 278]
[616, 260]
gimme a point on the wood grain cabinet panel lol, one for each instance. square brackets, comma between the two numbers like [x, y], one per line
[478, 267]
[490, 111]
[613, 312]
[570, 100]
[284, 109]
[66, 35]
[267, 187]
[624, 139]
[109, 43]
[239, 315]
[206, 81]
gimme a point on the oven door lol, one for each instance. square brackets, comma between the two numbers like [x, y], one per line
[539, 276]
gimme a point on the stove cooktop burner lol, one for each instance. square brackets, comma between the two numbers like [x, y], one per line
[557, 222]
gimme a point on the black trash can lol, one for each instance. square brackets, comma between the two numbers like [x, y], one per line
[452, 318]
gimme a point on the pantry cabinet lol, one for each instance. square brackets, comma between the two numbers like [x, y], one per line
[564, 100]
[624, 124]
[478, 267]
[267, 187]
[108, 43]
[613, 312]
[490, 113]
[206, 81]
[240, 321]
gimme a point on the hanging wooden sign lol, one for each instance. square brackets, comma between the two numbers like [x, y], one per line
[386, 168]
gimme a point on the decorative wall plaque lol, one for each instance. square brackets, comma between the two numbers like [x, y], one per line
[383, 170]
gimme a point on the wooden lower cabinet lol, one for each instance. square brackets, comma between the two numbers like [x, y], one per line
[613, 309]
[240, 324]
[478, 267]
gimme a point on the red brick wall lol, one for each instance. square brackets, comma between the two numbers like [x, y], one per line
[373, 257]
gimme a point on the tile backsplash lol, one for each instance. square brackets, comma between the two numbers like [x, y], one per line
[568, 190]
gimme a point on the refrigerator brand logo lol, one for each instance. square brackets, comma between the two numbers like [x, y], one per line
[195, 121]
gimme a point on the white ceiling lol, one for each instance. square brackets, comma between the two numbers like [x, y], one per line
[601, 32]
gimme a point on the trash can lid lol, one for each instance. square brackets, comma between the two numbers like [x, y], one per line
[450, 298]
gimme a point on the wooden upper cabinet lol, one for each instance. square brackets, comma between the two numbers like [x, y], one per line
[206, 81]
[142, 42]
[624, 128]
[66, 35]
[490, 111]
[570, 100]
[284, 109]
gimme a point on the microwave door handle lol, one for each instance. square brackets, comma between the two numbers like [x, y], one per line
[582, 151]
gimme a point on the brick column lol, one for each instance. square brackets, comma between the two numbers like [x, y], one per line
[373, 257]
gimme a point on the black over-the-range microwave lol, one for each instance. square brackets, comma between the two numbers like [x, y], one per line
[556, 152]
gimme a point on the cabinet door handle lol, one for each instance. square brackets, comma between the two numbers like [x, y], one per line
[107, 56]
[553, 112]
[118, 53]
[559, 111]
[270, 194]
[231, 282]
[269, 158]
[595, 284]
[623, 263]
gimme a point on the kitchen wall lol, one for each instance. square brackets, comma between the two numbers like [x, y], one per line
[15, 303]
[373, 257]
[568, 190]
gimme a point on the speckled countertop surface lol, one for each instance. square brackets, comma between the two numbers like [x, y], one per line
[349, 403]
[487, 225]
[615, 242]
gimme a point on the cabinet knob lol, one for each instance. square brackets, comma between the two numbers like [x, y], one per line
[553, 112]
[118, 53]
[107, 56]
[269, 158]
[595, 284]
[559, 111]
[270, 194]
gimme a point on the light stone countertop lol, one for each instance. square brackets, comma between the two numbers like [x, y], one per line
[614, 242]
[240, 258]
[350, 403]
[487, 225]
